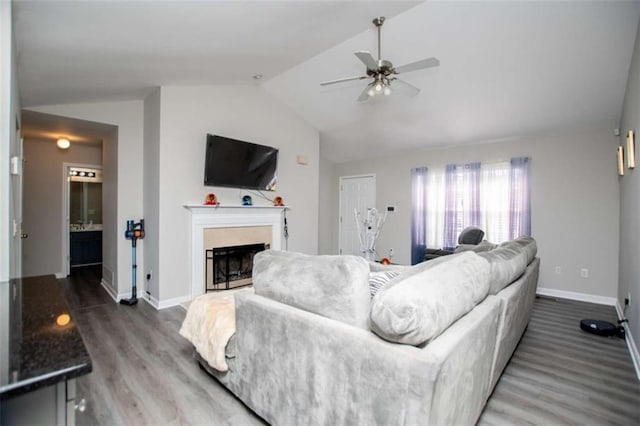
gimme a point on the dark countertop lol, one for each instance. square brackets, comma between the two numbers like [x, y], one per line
[37, 348]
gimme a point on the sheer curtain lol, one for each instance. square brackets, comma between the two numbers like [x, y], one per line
[496, 197]
[451, 198]
[435, 208]
[471, 195]
[418, 214]
[520, 202]
[494, 201]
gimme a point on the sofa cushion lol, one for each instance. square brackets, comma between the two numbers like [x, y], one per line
[529, 245]
[336, 287]
[422, 302]
[483, 246]
[509, 261]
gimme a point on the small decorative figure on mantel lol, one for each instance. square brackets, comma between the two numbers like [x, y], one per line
[247, 201]
[211, 200]
[278, 202]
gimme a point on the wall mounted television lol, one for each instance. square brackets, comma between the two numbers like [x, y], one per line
[238, 164]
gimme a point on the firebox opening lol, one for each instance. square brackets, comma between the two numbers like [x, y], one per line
[230, 267]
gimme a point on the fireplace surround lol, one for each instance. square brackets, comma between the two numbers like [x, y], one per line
[204, 217]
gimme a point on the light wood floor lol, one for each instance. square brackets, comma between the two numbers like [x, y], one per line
[144, 373]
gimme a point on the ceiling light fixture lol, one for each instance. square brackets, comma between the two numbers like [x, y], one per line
[63, 143]
[381, 86]
[257, 76]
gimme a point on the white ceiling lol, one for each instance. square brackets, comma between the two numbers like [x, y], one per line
[508, 68]
[70, 51]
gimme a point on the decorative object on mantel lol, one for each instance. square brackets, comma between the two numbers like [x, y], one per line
[211, 200]
[278, 202]
[247, 201]
[620, 161]
[631, 150]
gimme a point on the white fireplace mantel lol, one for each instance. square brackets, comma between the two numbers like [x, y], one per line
[204, 216]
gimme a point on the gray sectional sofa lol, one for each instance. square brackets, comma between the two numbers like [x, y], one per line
[312, 347]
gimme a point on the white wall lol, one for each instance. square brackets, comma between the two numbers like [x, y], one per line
[152, 192]
[574, 201]
[110, 235]
[42, 205]
[123, 163]
[327, 207]
[240, 112]
[630, 200]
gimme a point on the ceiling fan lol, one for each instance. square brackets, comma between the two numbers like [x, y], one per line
[384, 73]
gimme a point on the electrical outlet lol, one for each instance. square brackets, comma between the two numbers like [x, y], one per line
[558, 270]
[390, 253]
[584, 273]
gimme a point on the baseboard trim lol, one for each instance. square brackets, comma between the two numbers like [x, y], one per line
[168, 303]
[581, 297]
[115, 296]
[108, 289]
[631, 343]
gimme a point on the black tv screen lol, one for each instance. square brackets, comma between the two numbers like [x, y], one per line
[238, 164]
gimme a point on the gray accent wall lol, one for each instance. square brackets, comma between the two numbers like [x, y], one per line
[630, 200]
[575, 201]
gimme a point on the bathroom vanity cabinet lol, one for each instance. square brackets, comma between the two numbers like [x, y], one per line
[85, 247]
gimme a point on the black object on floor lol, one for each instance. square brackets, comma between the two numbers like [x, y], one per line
[602, 328]
[134, 232]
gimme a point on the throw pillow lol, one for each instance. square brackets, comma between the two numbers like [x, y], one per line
[377, 280]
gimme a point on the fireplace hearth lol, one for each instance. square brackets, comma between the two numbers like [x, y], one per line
[230, 267]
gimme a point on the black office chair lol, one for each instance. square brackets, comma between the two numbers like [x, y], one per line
[470, 235]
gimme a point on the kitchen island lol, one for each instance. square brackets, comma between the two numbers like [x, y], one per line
[41, 354]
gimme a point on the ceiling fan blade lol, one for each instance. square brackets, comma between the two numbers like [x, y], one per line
[404, 87]
[367, 59]
[418, 65]
[365, 94]
[342, 80]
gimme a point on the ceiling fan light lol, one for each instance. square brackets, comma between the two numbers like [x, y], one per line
[378, 87]
[387, 90]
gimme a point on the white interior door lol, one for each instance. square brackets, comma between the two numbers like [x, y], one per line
[356, 193]
[15, 266]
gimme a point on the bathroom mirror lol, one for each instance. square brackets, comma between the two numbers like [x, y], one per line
[85, 203]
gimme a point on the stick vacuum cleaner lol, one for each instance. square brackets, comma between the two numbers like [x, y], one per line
[134, 232]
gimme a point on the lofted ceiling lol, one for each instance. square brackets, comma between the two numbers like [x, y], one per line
[508, 68]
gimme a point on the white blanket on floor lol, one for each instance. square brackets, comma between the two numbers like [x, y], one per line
[209, 324]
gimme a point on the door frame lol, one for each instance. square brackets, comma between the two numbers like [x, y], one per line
[66, 231]
[340, 180]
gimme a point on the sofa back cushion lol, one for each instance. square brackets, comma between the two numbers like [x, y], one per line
[422, 302]
[336, 287]
[509, 261]
[483, 246]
